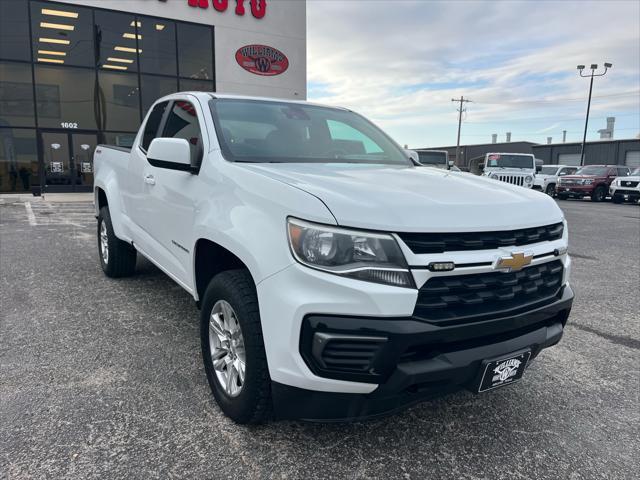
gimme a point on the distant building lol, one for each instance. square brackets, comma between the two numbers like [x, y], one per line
[614, 152]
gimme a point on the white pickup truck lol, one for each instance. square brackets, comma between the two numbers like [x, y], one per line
[335, 279]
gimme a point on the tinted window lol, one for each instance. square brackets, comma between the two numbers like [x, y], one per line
[264, 131]
[433, 158]
[157, 44]
[153, 123]
[550, 170]
[596, 171]
[182, 122]
[153, 88]
[121, 101]
[65, 95]
[16, 95]
[510, 161]
[62, 34]
[14, 30]
[116, 41]
[18, 159]
[568, 171]
[195, 51]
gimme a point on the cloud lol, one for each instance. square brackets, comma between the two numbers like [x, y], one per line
[400, 63]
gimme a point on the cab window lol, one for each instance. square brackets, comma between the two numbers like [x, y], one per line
[182, 122]
[623, 171]
[153, 124]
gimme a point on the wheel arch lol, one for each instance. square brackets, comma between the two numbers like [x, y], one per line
[211, 258]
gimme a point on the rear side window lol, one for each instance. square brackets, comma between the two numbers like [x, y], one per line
[153, 124]
[182, 122]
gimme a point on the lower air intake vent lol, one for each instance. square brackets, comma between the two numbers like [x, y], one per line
[345, 353]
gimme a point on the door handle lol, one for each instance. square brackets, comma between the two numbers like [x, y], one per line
[150, 180]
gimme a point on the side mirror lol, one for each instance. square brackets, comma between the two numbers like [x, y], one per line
[538, 168]
[412, 155]
[481, 167]
[170, 153]
[451, 163]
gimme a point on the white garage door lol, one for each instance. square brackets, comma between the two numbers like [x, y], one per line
[632, 159]
[569, 159]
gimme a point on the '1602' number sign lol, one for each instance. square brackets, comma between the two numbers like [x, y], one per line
[262, 60]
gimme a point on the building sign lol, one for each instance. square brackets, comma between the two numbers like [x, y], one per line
[258, 7]
[262, 60]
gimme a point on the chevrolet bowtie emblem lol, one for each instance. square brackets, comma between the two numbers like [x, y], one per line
[514, 262]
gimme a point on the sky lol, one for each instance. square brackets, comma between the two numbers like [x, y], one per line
[400, 63]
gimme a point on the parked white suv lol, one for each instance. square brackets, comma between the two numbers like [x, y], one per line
[336, 280]
[547, 178]
[514, 168]
[626, 188]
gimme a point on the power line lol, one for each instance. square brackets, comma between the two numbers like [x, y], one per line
[555, 100]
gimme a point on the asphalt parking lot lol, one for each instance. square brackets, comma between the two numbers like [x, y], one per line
[103, 378]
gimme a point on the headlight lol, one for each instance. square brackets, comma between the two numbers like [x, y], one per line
[616, 182]
[493, 175]
[373, 257]
[528, 179]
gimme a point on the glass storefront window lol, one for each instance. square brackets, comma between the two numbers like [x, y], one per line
[62, 34]
[65, 97]
[153, 88]
[119, 139]
[157, 44]
[195, 51]
[121, 101]
[14, 30]
[196, 85]
[16, 95]
[117, 44]
[18, 160]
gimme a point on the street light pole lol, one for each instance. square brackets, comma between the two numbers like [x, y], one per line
[593, 73]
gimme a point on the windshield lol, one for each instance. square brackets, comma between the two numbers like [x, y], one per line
[550, 170]
[433, 158]
[265, 131]
[510, 161]
[636, 172]
[596, 171]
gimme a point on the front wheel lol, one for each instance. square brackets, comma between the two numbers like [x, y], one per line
[599, 194]
[551, 189]
[117, 258]
[233, 348]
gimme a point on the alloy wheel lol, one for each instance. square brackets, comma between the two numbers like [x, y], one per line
[226, 345]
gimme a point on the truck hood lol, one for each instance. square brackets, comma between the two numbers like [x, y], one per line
[410, 199]
[521, 171]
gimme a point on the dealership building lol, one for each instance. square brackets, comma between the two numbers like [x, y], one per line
[75, 73]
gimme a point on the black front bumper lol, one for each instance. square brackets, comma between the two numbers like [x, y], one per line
[411, 360]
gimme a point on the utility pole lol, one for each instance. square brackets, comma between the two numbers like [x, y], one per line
[462, 101]
[593, 68]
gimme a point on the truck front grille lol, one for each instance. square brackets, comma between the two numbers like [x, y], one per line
[513, 179]
[487, 295]
[629, 183]
[453, 242]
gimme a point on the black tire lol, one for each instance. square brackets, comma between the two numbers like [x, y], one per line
[617, 199]
[551, 190]
[121, 258]
[562, 196]
[253, 403]
[599, 194]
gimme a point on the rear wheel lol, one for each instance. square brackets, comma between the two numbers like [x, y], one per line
[598, 194]
[551, 189]
[117, 258]
[617, 199]
[233, 348]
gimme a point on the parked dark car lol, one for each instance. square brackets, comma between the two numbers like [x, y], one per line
[590, 181]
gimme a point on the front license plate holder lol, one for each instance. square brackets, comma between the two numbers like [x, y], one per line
[503, 371]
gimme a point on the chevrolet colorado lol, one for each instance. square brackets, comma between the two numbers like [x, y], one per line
[335, 280]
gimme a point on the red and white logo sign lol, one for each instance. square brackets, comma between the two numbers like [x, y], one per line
[262, 60]
[258, 7]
